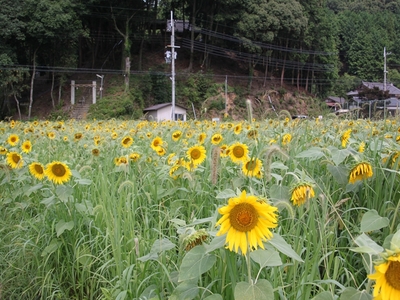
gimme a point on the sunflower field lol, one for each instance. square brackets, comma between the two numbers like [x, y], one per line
[272, 209]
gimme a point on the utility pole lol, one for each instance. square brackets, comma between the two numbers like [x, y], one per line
[384, 78]
[173, 57]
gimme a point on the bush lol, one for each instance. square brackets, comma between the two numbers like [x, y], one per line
[115, 107]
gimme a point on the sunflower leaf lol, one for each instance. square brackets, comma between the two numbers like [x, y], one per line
[186, 290]
[366, 245]
[313, 153]
[214, 297]
[373, 221]
[353, 294]
[266, 258]
[61, 226]
[279, 243]
[195, 263]
[226, 194]
[323, 296]
[262, 290]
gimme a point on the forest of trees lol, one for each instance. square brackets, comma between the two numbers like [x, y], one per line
[323, 46]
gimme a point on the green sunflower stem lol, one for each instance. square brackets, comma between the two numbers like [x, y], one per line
[394, 217]
[248, 262]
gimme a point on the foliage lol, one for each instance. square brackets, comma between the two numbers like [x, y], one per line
[120, 106]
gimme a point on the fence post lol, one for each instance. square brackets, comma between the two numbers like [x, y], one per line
[94, 91]
[72, 92]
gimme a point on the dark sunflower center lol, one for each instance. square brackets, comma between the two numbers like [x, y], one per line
[13, 139]
[238, 151]
[58, 170]
[195, 154]
[156, 143]
[16, 158]
[243, 217]
[392, 275]
[251, 165]
[38, 169]
[126, 141]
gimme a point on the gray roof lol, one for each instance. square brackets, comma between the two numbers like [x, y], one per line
[389, 87]
[340, 100]
[162, 105]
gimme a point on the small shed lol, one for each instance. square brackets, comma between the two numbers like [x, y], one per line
[163, 111]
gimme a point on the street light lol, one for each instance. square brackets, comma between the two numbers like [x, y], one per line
[101, 85]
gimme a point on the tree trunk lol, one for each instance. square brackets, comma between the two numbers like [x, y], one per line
[127, 73]
[17, 101]
[192, 37]
[32, 82]
[284, 63]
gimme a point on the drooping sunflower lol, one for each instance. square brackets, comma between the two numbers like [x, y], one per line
[161, 151]
[345, 137]
[362, 170]
[216, 139]
[157, 142]
[3, 150]
[252, 134]
[202, 137]
[13, 140]
[37, 170]
[238, 152]
[14, 160]
[246, 221]
[26, 146]
[238, 128]
[252, 168]
[58, 172]
[196, 155]
[176, 135]
[127, 141]
[301, 193]
[387, 277]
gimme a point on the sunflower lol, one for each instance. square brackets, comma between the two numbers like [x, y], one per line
[127, 141]
[345, 137]
[247, 222]
[134, 156]
[51, 135]
[362, 170]
[78, 136]
[114, 135]
[161, 151]
[196, 155]
[15, 160]
[26, 146]
[202, 137]
[58, 172]
[13, 140]
[238, 128]
[252, 168]
[238, 153]
[176, 135]
[37, 170]
[3, 150]
[216, 139]
[387, 277]
[224, 150]
[361, 147]
[301, 193]
[157, 142]
[95, 152]
[286, 139]
[252, 134]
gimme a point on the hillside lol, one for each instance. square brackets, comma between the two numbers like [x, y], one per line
[267, 96]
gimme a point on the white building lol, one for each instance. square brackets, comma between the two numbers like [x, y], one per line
[163, 111]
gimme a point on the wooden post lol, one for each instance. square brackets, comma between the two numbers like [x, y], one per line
[72, 92]
[94, 92]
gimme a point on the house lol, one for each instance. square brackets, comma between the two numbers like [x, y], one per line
[335, 103]
[163, 111]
